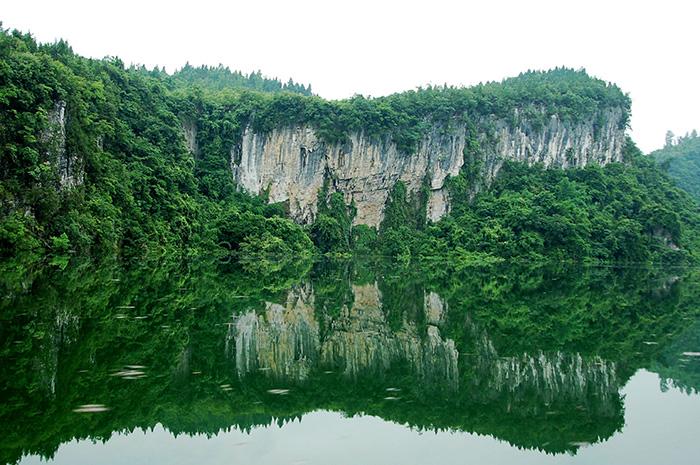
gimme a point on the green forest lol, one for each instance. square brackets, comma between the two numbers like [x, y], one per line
[681, 159]
[126, 184]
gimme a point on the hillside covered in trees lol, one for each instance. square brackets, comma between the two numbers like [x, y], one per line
[681, 159]
[95, 161]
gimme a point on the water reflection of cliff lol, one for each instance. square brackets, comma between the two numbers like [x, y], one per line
[535, 382]
[285, 342]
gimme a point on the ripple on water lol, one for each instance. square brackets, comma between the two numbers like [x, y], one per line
[91, 408]
[279, 392]
[131, 372]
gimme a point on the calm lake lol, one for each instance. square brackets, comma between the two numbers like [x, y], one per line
[348, 362]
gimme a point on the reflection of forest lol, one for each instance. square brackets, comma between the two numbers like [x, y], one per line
[534, 357]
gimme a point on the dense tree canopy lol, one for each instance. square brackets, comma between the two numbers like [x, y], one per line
[221, 77]
[142, 189]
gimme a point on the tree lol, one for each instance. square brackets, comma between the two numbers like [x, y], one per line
[669, 138]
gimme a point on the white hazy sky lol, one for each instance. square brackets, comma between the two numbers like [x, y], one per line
[649, 48]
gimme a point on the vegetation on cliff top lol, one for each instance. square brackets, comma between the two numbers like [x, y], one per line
[220, 77]
[144, 191]
[405, 117]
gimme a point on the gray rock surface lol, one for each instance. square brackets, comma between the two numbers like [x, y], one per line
[54, 139]
[291, 164]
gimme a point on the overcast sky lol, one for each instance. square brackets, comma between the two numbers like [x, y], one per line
[650, 49]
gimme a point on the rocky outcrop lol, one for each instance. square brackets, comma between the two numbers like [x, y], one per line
[283, 342]
[286, 342]
[291, 164]
[362, 343]
[553, 144]
[536, 381]
[54, 139]
[62, 332]
[550, 377]
[189, 131]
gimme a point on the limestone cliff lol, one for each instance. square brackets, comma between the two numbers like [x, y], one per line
[361, 342]
[597, 140]
[54, 140]
[283, 342]
[189, 129]
[291, 164]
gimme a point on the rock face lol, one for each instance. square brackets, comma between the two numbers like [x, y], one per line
[362, 343]
[554, 144]
[291, 164]
[286, 342]
[536, 381]
[550, 377]
[189, 130]
[54, 138]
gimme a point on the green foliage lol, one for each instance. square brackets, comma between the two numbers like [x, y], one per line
[221, 77]
[60, 244]
[16, 234]
[682, 372]
[331, 231]
[628, 213]
[328, 234]
[682, 161]
[257, 238]
[364, 239]
[404, 118]
[401, 210]
[142, 191]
